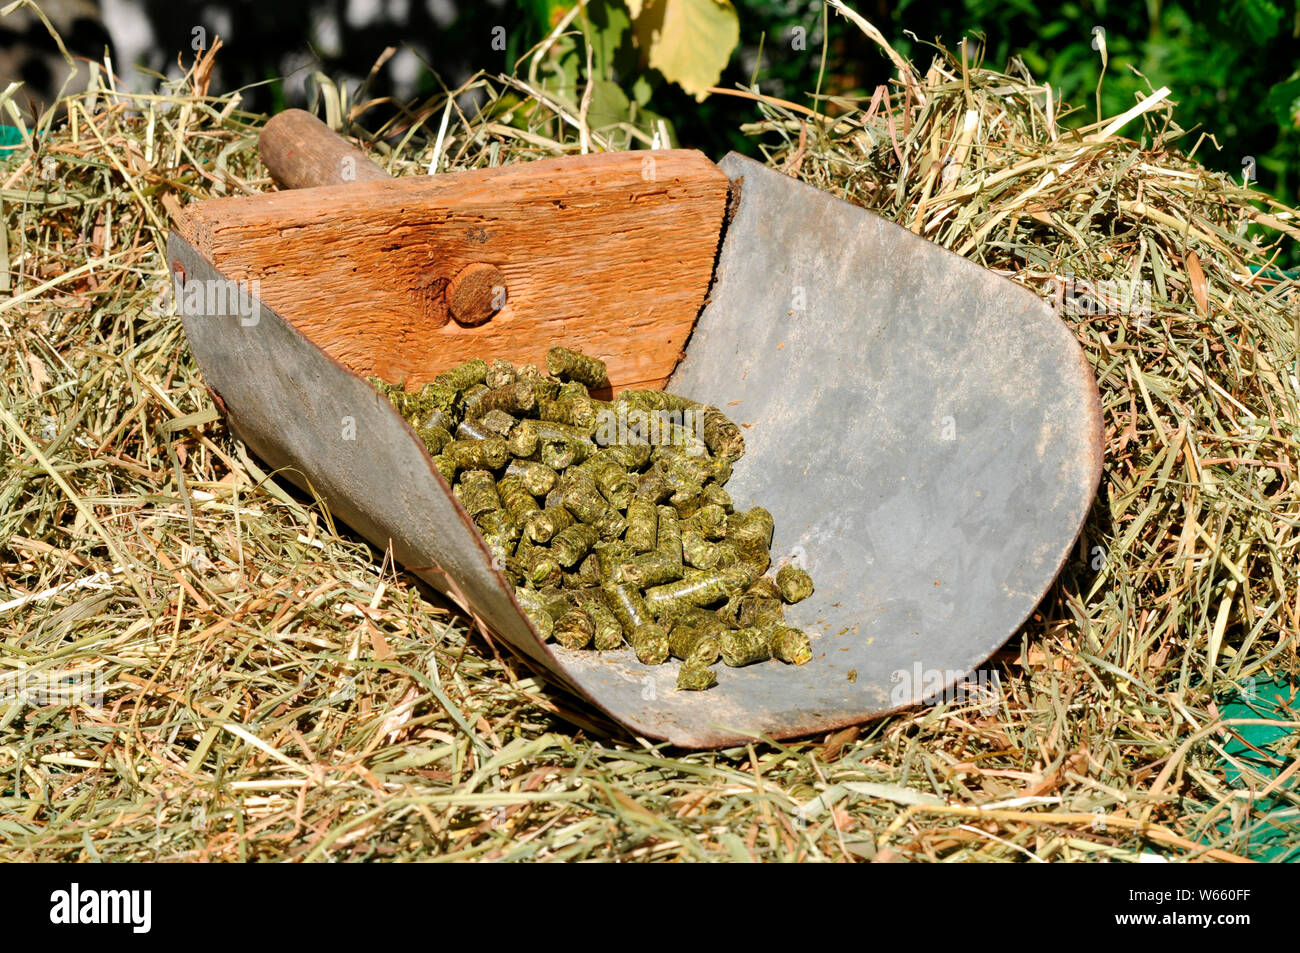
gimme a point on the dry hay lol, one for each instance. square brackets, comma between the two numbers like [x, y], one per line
[262, 687]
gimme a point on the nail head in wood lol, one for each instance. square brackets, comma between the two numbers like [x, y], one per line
[476, 293]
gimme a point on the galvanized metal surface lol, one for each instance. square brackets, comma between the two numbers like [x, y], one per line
[927, 551]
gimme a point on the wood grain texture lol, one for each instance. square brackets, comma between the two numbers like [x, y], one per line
[597, 255]
[302, 152]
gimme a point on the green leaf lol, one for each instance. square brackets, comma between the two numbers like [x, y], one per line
[1284, 102]
[641, 89]
[608, 29]
[1260, 18]
[609, 104]
[689, 41]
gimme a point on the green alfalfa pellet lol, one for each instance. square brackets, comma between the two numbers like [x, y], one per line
[517, 399]
[642, 525]
[538, 564]
[434, 438]
[500, 373]
[795, 584]
[571, 365]
[541, 527]
[516, 499]
[608, 634]
[575, 629]
[489, 454]
[695, 676]
[572, 543]
[464, 376]
[477, 490]
[744, 647]
[697, 589]
[654, 568]
[689, 638]
[721, 435]
[760, 604]
[650, 643]
[626, 603]
[576, 412]
[789, 644]
[535, 609]
[537, 477]
[523, 441]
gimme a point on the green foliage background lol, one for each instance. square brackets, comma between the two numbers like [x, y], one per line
[1234, 67]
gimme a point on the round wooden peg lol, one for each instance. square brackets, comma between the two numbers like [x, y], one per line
[476, 293]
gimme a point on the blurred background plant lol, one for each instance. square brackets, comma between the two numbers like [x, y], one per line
[1233, 66]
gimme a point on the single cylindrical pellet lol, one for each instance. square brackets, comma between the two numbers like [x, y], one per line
[535, 609]
[536, 476]
[435, 439]
[669, 536]
[714, 494]
[710, 520]
[574, 629]
[499, 373]
[695, 676]
[562, 362]
[608, 633]
[477, 490]
[473, 429]
[698, 589]
[578, 413]
[540, 567]
[752, 528]
[744, 647]
[446, 466]
[627, 605]
[688, 639]
[722, 436]
[789, 644]
[516, 499]
[656, 400]
[573, 542]
[583, 500]
[642, 525]
[500, 525]
[563, 452]
[489, 454]
[498, 423]
[650, 643]
[631, 456]
[795, 584]
[542, 527]
[651, 569]
[523, 441]
[516, 399]
[435, 400]
[653, 485]
[465, 375]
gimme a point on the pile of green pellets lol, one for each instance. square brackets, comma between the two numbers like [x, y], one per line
[611, 518]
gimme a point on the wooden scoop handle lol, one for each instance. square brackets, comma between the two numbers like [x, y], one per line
[302, 152]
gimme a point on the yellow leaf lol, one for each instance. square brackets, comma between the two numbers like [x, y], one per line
[690, 41]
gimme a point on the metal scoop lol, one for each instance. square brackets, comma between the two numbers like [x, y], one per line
[926, 433]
